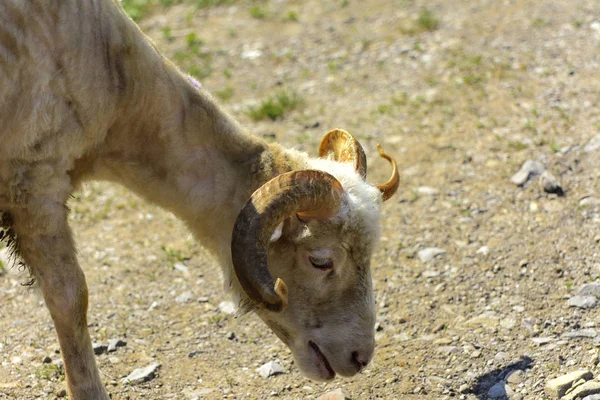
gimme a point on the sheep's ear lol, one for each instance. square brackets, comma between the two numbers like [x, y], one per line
[288, 228]
[278, 232]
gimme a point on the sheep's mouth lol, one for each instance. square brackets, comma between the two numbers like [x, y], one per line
[321, 357]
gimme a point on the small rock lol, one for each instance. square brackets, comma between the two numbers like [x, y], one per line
[587, 389]
[557, 387]
[428, 254]
[500, 356]
[523, 263]
[431, 274]
[447, 349]
[427, 191]
[181, 267]
[583, 301]
[499, 390]
[549, 184]
[592, 397]
[251, 54]
[590, 289]
[508, 323]
[575, 386]
[114, 343]
[529, 170]
[16, 360]
[61, 393]
[589, 201]
[593, 144]
[581, 333]
[484, 251]
[202, 299]
[47, 360]
[227, 307]
[475, 354]
[336, 394]
[184, 297]
[142, 374]
[542, 340]
[99, 348]
[269, 369]
[230, 335]
[194, 353]
[515, 377]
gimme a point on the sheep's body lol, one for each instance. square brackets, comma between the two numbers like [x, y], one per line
[84, 95]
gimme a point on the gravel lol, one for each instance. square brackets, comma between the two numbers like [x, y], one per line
[462, 108]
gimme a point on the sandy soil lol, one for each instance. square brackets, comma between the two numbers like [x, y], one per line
[461, 103]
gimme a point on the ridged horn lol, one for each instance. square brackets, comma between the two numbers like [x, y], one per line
[345, 149]
[389, 188]
[308, 193]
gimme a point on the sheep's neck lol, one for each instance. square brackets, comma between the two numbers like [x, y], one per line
[166, 139]
[185, 154]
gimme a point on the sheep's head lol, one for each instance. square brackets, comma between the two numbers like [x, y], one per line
[316, 231]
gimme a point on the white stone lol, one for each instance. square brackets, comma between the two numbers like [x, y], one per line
[583, 301]
[227, 307]
[529, 170]
[269, 369]
[142, 374]
[594, 143]
[428, 254]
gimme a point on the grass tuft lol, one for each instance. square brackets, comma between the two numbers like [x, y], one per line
[258, 12]
[427, 21]
[276, 107]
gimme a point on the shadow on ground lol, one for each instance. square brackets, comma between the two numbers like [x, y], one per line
[483, 384]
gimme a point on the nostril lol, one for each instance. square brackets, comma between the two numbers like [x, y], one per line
[360, 362]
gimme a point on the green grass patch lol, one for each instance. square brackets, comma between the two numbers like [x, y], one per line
[226, 93]
[50, 372]
[427, 21]
[138, 9]
[276, 106]
[213, 3]
[258, 12]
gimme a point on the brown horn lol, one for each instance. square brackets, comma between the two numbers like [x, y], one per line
[308, 193]
[389, 188]
[345, 149]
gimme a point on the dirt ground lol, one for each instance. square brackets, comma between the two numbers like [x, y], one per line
[462, 93]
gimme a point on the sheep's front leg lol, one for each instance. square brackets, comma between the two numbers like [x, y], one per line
[45, 244]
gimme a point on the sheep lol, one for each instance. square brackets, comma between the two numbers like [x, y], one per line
[84, 95]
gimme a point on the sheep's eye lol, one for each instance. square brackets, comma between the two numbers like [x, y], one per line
[321, 263]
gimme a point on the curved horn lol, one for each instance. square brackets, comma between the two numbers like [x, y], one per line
[389, 188]
[345, 149]
[308, 193]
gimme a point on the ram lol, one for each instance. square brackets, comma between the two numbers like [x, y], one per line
[84, 95]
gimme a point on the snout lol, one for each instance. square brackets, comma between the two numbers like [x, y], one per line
[322, 361]
[351, 362]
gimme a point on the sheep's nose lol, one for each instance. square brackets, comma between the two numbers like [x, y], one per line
[360, 360]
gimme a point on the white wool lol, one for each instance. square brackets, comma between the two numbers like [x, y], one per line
[362, 200]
